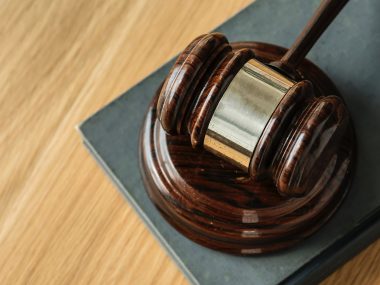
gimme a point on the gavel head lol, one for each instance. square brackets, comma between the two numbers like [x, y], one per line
[250, 114]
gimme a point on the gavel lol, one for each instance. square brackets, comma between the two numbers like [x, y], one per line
[248, 147]
[257, 116]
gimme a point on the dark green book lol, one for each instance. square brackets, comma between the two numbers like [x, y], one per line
[349, 52]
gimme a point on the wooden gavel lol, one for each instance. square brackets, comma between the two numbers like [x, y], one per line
[248, 147]
[260, 117]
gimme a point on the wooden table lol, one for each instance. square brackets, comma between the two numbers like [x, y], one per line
[61, 220]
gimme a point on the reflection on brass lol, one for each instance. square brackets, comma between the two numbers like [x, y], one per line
[243, 111]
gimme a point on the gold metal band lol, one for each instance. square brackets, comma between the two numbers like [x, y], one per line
[243, 112]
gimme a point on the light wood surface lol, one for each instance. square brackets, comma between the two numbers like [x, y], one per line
[61, 220]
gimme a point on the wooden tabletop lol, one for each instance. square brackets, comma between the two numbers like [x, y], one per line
[61, 220]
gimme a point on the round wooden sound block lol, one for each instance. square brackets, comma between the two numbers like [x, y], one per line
[218, 206]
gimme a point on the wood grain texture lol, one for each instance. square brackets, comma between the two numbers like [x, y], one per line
[61, 220]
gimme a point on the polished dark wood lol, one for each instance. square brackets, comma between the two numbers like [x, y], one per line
[284, 115]
[322, 18]
[312, 140]
[180, 87]
[195, 84]
[301, 171]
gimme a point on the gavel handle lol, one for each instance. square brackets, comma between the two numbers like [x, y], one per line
[322, 18]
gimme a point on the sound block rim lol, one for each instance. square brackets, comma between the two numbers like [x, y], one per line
[215, 223]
